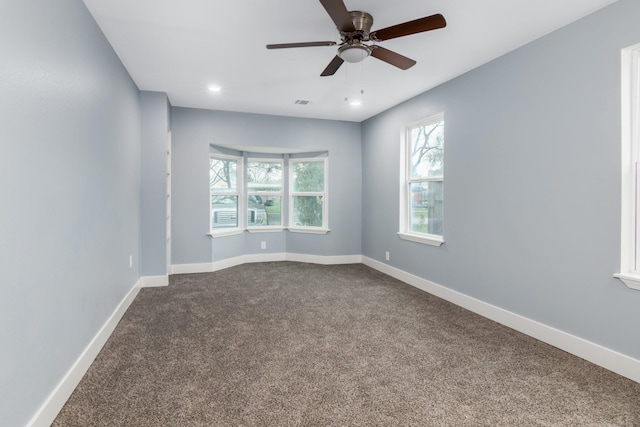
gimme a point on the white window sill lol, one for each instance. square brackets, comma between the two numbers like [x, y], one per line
[235, 231]
[632, 280]
[309, 230]
[427, 239]
[223, 233]
[265, 229]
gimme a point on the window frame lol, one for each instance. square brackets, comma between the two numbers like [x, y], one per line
[324, 228]
[268, 228]
[630, 175]
[406, 181]
[239, 193]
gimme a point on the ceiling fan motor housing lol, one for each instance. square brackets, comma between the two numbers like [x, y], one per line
[362, 21]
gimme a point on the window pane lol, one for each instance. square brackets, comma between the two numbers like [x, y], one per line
[272, 205]
[308, 176]
[307, 211]
[426, 208]
[224, 211]
[427, 150]
[223, 175]
[264, 176]
[263, 210]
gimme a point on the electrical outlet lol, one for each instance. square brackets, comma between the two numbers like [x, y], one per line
[130, 261]
[386, 256]
[263, 245]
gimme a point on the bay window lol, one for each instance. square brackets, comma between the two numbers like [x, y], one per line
[251, 192]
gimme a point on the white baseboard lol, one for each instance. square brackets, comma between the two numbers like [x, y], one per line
[247, 259]
[270, 257]
[594, 353]
[205, 267]
[56, 400]
[325, 260]
[154, 281]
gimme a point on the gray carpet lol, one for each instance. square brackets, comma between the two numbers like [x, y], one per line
[291, 344]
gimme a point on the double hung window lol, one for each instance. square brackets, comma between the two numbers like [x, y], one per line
[264, 193]
[225, 177]
[421, 201]
[307, 195]
[630, 236]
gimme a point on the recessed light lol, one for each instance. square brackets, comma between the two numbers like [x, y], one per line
[356, 103]
[214, 88]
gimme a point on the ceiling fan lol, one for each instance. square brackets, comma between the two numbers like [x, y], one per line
[355, 29]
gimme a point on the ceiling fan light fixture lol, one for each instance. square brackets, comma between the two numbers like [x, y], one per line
[354, 52]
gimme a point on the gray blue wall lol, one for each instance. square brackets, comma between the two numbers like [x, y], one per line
[532, 182]
[70, 192]
[154, 110]
[193, 130]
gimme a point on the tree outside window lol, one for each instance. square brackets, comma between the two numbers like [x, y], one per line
[425, 176]
[308, 202]
[223, 191]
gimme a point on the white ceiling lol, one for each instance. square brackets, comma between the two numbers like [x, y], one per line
[182, 46]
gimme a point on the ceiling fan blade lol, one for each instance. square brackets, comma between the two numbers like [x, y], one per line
[339, 14]
[332, 67]
[391, 57]
[303, 44]
[427, 23]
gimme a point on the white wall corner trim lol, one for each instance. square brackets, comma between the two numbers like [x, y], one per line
[154, 281]
[594, 353]
[56, 400]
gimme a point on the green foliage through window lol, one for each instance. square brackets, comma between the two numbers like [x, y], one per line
[308, 180]
[425, 176]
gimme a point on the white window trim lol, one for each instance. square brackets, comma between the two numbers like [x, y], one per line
[267, 229]
[427, 239]
[630, 108]
[405, 184]
[224, 233]
[241, 221]
[325, 197]
[308, 230]
[262, 228]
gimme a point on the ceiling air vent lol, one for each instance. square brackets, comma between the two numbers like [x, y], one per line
[302, 102]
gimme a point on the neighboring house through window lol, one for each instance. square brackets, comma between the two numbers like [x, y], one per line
[422, 181]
